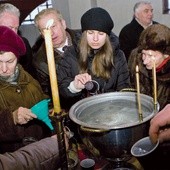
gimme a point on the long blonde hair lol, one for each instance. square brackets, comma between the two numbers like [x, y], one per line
[103, 61]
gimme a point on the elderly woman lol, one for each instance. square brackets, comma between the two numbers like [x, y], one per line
[154, 46]
[18, 93]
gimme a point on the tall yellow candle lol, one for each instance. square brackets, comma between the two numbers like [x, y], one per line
[138, 94]
[154, 82]
[52, 67]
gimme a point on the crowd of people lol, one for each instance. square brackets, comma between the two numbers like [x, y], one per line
[10, 17]
[153, 47]
[96, 57]
[92, 52]
[61, 38]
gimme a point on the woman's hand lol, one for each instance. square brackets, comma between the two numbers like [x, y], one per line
[79, 82]
[81, 79]
[23, 115]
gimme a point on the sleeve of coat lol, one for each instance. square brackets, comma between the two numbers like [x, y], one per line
[66, 72]
[8, 130]
[36, 156]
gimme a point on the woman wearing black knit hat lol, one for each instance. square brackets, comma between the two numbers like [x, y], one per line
[96, 58]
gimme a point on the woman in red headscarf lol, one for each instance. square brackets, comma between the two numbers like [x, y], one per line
[18, 93]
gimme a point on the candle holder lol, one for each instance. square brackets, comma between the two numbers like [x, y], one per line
[57, 115]
[58, 119]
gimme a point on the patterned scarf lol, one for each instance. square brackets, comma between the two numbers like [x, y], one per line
[12, 79]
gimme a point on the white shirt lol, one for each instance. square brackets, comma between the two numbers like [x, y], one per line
[65, 44]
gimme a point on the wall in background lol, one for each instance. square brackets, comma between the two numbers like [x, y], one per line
[120, 10]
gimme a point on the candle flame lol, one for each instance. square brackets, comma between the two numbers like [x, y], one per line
[137, 68]
[49, 23]
[153, 60]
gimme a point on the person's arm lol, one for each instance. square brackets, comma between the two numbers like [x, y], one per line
[66, 71]
[159, 125]
[43, 154]
[23, 115]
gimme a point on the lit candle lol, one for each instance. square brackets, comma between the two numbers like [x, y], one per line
[154, 81]
[52, 67]
[138, 94]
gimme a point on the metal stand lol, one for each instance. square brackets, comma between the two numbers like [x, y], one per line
[58, 119]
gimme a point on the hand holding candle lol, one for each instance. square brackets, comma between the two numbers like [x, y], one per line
[138, 94]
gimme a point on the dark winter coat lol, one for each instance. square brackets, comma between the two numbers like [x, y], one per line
[68, 69]
[42, 155]
[27, 59]
[41, 65]
[25, 93]
[129, 36]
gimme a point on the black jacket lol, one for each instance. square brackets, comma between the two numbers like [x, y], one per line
[41, 65]
[129, 36]
[27, 59]
[68, 69]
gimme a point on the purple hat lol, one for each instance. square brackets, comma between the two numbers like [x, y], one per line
[11, 42]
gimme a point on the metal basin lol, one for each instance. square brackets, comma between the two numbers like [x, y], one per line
[110, 122]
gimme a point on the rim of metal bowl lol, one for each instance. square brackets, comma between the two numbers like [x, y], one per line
[89, 101]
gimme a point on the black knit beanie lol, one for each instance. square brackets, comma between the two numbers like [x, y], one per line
[97, 19]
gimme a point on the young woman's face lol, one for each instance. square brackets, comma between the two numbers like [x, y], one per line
[96, 39]
[148, 57]
[8, 62]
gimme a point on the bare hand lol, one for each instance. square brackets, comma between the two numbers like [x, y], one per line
[23, 115]
[160, 125]
[81, 79]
